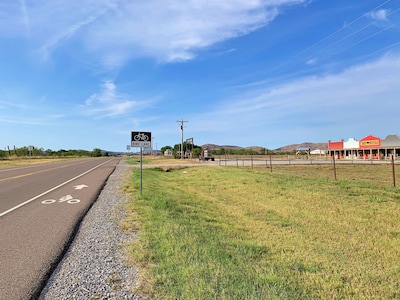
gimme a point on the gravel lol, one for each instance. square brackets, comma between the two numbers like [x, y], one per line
[95, 266]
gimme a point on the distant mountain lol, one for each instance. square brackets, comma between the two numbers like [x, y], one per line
[287, 148]
[312, 146]
[218, 147]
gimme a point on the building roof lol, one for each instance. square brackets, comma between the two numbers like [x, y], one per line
[391, 140]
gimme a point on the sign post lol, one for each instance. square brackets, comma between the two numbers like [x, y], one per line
[141, 139]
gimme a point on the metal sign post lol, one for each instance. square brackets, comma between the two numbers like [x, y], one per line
[141, 170]
[141, 139]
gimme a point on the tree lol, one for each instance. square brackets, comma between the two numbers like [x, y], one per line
[96, 152]
[196, 152]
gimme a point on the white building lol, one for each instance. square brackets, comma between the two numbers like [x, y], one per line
[350, 148]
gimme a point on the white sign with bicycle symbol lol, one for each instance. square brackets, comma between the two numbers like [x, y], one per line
[141, 139]
[68, 199]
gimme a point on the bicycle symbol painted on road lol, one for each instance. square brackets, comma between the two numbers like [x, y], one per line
[141, 136]
[68, 198]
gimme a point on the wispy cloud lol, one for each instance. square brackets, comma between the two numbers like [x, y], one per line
[187, 26]
[26, 17]
[354, 98]
[118, 31]
[14, 105]
[110, 103]
[67, 33]
[16, 112]
[43, 120]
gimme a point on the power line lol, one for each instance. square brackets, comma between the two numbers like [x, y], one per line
[288, 61]
[339, 30]
[354, 33]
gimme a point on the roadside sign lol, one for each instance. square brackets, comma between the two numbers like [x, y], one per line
[140, 139]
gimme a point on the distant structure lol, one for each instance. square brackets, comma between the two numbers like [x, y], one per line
[369, 147]
[168, 152]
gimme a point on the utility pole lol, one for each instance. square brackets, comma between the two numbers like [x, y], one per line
[182, 121]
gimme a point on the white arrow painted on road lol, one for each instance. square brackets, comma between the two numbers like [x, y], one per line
[81, 186]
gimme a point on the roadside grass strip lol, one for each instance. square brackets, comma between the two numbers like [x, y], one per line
[238, 233]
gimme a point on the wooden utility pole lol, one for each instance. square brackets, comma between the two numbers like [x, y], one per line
[181, 122]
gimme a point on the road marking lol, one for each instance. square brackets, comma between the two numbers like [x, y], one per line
[36, 172]
[50, 190]
[68, 198]
[81, 186]
[73, 201]
[49, 201]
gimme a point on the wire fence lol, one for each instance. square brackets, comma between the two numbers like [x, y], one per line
[383, 170]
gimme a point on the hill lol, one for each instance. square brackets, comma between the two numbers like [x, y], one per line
[287, 148]
[312, 146]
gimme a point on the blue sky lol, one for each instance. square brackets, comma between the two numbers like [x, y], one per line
[84, 74]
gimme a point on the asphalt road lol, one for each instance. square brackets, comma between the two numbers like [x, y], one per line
[40, 209]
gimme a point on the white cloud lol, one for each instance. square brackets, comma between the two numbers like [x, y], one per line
[117, 31]
[311, 61]
[354, 98]
[110, 103]
[174, 30]
[380, 14]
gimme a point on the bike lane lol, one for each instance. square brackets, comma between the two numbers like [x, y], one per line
[35, 236]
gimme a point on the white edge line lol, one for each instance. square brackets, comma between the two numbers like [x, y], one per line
[52, 189]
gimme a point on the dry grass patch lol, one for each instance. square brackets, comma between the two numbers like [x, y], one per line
[26, 161]
[235, 233]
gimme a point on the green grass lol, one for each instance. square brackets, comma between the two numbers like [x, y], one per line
[236, 233]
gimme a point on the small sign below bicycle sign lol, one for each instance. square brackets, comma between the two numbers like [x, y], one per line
[141, 139]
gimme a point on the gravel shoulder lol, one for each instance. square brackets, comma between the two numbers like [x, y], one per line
[95, 266]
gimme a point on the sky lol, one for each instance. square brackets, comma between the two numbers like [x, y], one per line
[84, 74]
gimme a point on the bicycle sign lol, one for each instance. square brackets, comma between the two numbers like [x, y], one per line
[141, 139]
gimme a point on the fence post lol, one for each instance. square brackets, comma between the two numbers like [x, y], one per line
[334, 165]
[393, 172]
[270, 162]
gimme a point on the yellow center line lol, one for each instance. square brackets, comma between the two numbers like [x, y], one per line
[37, 172]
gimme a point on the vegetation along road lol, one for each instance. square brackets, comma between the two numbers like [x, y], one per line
[216, 232]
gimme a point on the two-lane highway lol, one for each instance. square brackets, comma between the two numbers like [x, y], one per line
[40, 208]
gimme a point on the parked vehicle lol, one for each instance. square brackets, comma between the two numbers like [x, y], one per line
[206, 155]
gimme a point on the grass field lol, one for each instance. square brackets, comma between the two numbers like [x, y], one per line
[239, 233]
[26, 161]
